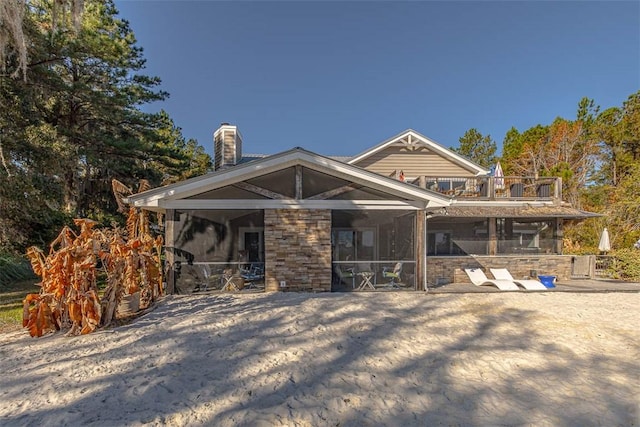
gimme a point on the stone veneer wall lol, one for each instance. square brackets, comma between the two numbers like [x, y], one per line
[297, 249]
[450, 269]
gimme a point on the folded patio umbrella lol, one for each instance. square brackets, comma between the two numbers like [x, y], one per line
[605, 243]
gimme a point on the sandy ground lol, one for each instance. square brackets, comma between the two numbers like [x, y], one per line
[357, 359]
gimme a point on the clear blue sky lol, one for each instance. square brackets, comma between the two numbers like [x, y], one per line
[337, 78]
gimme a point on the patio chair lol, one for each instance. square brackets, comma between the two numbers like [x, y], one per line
[345, 274]
[478, 278]
[209, 279]
[255, 273]
[392, 274]
[528, 284]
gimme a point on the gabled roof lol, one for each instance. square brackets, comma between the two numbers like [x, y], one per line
[411, 137]
[154, 199]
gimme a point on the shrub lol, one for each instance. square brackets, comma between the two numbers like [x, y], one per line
[626, 265]
[14, 269]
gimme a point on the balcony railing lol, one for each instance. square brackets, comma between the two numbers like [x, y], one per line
[494, 188]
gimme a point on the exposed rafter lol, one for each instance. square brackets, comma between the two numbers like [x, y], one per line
[242, 173]
[261, 191]
[412, 144]
[335, 192]
[298, 187]
[413, 141]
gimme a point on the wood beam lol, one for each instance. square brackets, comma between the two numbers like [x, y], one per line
[559, 235]
[493, 236]
[298, 193]
[422, 182]
[421, 251]
[169, 240]
[261, 191]
[335, 192]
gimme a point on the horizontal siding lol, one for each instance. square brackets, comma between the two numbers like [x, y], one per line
[412, 163]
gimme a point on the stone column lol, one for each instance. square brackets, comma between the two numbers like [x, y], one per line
[297, 249]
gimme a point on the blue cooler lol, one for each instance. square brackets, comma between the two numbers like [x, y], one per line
[547, 281]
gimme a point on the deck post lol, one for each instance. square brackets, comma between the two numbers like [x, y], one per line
[491, 191]
[558, 192]
[422, 181]
[558, 235]
[169, 242]
[493, 236]
[421, 251]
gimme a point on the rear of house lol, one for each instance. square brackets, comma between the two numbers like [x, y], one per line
[298, 220]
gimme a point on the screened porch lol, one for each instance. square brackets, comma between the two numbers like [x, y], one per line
[373, 250]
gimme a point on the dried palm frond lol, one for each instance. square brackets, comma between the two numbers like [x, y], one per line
[144, 185]
[69, 295]
[120, 192]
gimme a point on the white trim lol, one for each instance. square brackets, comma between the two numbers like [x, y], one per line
[430, 144]
[227, 127]
[290, 204]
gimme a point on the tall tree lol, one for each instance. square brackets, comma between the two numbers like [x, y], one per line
[618, 131]
[91, 100]
[515, 160]
[477, 147]
[13, 42]
[629, 133]
[176, 159]
[612, 154]
[73, 123]
[567, 149]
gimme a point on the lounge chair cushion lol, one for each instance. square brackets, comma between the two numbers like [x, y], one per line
[529, 284]
[478, 278]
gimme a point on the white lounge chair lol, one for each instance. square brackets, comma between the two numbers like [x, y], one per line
[528, 284]
[478, 278]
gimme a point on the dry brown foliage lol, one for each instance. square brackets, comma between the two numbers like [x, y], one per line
[69, 298]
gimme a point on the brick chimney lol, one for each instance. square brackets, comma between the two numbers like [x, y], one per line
[227, 146]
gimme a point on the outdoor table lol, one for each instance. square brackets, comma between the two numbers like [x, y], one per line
[229, 283]
[366, 280]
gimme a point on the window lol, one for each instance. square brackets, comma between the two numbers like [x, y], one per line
[354, 245]
[439, 243]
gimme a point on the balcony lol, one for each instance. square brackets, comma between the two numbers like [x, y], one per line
[494, 188]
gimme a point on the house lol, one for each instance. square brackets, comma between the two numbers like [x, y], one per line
[306, 221]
